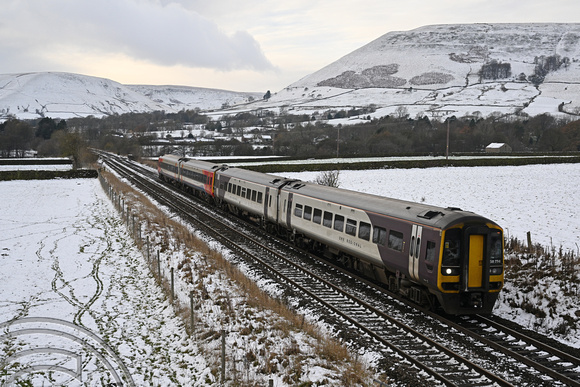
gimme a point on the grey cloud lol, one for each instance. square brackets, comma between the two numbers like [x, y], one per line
[150, 31]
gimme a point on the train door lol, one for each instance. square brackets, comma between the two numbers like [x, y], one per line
[289, 210]
[415, 251]
[266, 202]
[476, 263]
[475, 279]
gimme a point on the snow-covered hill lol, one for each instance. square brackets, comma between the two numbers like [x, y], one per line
[65, 95]
[438, 71]
[444, 70]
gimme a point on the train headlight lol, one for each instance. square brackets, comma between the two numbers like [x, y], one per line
[450, 271]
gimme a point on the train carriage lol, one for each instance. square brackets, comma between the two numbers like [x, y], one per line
[427, 253]
[432, 255]
[168, 167]
[198, 175]
[250, 193]
[194, 176]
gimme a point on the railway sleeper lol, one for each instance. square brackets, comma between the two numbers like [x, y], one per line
[434, 358]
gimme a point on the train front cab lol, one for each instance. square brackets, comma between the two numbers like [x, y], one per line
[470, 272]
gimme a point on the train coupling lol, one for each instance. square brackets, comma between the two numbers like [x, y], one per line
[472, 300]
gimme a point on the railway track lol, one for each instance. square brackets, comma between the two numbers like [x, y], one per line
[465, 352]
[560, 365]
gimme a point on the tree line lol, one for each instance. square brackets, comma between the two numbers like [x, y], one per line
[45, 136]
[392, 135]
[293, 135]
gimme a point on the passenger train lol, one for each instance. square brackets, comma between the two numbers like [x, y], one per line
[438, 257]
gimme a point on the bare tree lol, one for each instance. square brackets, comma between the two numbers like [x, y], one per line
[328, 178]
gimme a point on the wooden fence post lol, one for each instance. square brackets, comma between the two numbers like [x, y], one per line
[192, 313]
[158, 266]
[172, 286]
[223, 379]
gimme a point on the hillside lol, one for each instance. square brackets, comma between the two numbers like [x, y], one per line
[65, 95]
[436, 71]
[443, 70]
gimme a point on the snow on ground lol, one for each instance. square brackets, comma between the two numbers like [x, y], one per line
[48, 167]
[66, 254]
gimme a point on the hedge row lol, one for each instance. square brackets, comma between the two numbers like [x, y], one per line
[402, 164]
[46, 175]
[35, 161]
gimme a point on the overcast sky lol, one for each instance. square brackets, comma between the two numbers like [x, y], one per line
[242, 45]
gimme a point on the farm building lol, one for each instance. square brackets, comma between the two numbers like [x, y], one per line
[498, 147]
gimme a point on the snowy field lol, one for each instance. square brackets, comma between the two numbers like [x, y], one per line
[541, 199]
[65, 254]
[48, 167]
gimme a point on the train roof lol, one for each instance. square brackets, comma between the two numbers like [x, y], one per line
[191, 162]
[170, 158]
[206, 165]
[255, 177]
[422, 213]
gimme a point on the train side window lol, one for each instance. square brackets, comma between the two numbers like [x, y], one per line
[229, 187]
[298, 210]
[364, 231]
[350, 227]
[307, 212]
[270, 201]
[317, 218]
[243, 194]
[379, 236]
[239, 190]
[327, 220]
[339, 223]
[260, 197]
[430, 255]
[254, 195]
[395, 240]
